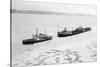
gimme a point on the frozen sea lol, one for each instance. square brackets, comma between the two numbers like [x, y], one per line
[24, 25]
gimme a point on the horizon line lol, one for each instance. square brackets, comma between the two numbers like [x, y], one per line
[46, 12]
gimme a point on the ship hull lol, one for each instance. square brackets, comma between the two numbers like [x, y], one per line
[75, 32]
[32, 41]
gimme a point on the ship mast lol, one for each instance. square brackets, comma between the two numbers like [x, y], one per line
[36, 31]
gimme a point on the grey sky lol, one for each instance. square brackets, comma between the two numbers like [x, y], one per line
[42, 6]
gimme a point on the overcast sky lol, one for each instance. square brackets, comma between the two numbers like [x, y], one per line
[43, 6]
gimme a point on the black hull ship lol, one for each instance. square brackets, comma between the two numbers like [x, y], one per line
[78, 30]
[37, 38]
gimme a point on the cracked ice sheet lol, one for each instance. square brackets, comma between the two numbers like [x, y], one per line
[84, 46]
